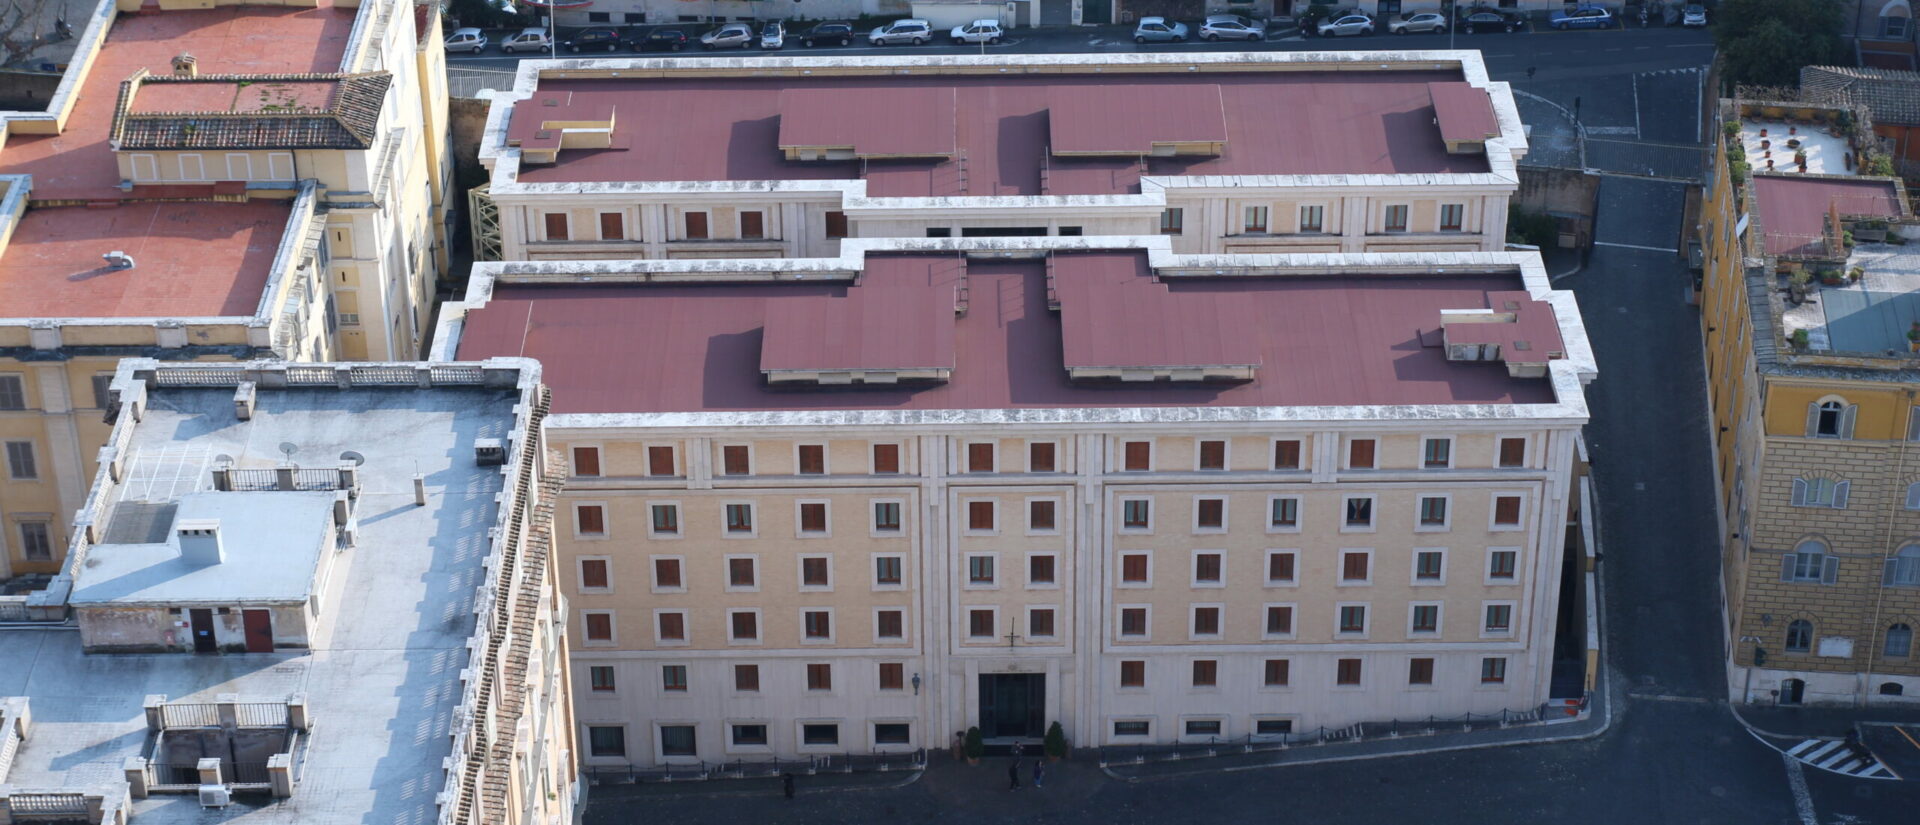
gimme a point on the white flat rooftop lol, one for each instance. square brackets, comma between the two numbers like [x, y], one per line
[383, 676]
[273, 543]
[1826, 154]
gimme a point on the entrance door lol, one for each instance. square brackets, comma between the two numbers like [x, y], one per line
[1096, 12]
[202, 620]
[259, 630]
[1013, 705]
[1056, 12]
[1791, 691]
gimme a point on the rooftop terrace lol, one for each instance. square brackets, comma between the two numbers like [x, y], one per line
[1795, 211]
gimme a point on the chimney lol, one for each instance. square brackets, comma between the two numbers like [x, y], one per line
[117, 260]
[184, 65]
[200, 541]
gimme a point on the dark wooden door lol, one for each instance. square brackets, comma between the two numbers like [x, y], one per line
[259, 631]
[202, 621]
[1013, 705]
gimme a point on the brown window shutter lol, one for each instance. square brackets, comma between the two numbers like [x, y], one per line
[1040, 457]
[746, 677]
[660, 461]
[1205, 672]
[1280, 567]
[1360, 454]
[1513, 452]
[1134, 568]
[586, 461]
[1040, 623]
[1354, 567]
[1138, 455]
[666, 573]
[813, 517]
[592, 519]
[1206, 620]
[1213, 455]
[813, 459]
[740, 574]
[1206, 567]
[836, 224]
[556, 226]
[696, 226]
[1506, 510]
[1286, 455]
[889, 624]
[886, 458]
[1279, 620]
[979, 458]
[613, 226]
[753, 225]
[733, 460]
[1040, 570]
[599, 626]
[892, 675]
[1277, 672]
[593, 572]
[673, 626]
[1133, 674]
[1212, 512]
[745, 626]
[1040, 515]
[814, 572]
[980, 515]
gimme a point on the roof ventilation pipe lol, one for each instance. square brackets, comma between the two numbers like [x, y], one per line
[118, 260]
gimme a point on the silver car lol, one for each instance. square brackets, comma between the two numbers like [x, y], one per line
[1231, 27]
[729, 36]
[911, 30]
[1349, 24]
[1423, 22]
[1159, 29]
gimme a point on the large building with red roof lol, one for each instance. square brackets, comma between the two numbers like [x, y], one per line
[856, 503]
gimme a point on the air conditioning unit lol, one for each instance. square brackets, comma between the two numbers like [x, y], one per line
[489, 452]
[215, 796]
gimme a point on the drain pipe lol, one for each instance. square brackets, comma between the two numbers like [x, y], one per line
[1880, 593]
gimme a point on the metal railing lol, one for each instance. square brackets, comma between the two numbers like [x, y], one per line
[13, 609]
[177, 715]
[49, 804]
[761, 768]
[260, 714]
[1359, 731]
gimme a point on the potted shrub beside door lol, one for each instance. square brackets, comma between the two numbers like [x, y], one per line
[1056, 742]
[976, 746]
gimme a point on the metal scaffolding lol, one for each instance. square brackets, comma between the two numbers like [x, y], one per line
[485, 223]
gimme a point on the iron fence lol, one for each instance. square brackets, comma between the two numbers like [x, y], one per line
[761, 768]
[1359, 731]
[260, 714]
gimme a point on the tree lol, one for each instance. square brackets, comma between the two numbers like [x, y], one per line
[1056, 741]
[26, 25]
[976, 746]
[1766, 42]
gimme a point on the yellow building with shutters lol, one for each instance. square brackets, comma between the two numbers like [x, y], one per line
[1808, 310]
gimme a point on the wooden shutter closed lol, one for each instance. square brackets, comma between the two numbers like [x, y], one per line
[1133, 568]
[556, 226]
[1138, 455]
[886, 458]
[613, 226]
[753, 225]
[1286, 455]
[586, 461]
[696, 226]
[1513, 452]
[1360, 454]
[836, 224]
[660, 461]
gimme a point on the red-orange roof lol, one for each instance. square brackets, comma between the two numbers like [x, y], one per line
[1112, 120]
[1794, 209]
[1464, 113]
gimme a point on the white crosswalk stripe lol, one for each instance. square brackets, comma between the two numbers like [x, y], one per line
[1836, 756]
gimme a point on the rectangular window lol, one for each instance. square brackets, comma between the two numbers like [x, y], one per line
[980, 516]
[1437, 453]
[1286, 513]
[886, 459]
[1286, 455]
[1133, 621]
[886, 517]
[1359, 512]
[1347, 672]
[1206, 621]
[613, 226]
[1206, 568]
[1213, 455]
[660, 461]
[813, 572]
[1354, 566]
[1277, 672]
[36, 541]
[818, 624]
[1396, 218]
[1506, 511]
[980, 457]
[1279, 620]
[606, 740]
[20, 461]
[1040, 457]
[813, 517]
[591, 519]
[1133, 568]
[813, 459]
[1426, 618]
[1280, 567]
[1040, 516]
[1273, 727]
[1133, 674]
[673, 626]
[1040, 623]
[593, 573]
[1210, 514]
[1136, 513]
[739, 518]
[1453, 216]
[980, 570]
[735, 460]
[1501, 564]
[1513, 452]
[666, 519]
[980, 624]
[892, 733]
[556, 226]
[821, 734]
[749, 735]
[1428, 565]
[599, 626]
[1312, 219]
[746, 678]
[753, 225]
[1131, 727]
[602, 678]
[886, 571]
[836, 224]
[1039, 569]
[1173, 220]
[1256, 219]
[889, 624]
[1203, 727]
[893, 676]
[746, 626]
[1138, 455]
[1499, 618]
[677, 740]
[696, 225]
[13, 393]
[1206, 673]
[1353, 618]
[1420, 671]
[586, 461]
[1493, 670]
[1360, 454]
[1433, 511]
[741, 573]
[673, 677]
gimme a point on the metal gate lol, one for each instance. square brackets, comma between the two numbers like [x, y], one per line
[1056, 12]
[1096, 12]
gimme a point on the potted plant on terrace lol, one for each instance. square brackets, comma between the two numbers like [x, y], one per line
[1913, 337]
[976, 747]
[1056, 741]
[1799, 339]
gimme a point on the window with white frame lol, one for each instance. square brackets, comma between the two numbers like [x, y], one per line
[1423, 619]
[1350, 620]
[1903, 569]
[1136, 515]
[1209, 568]
[1499, 619]
[1436, 453]
[1810, 563]
[1312, 219]
[889, 571]
[1283, 514]
[594, 574]
[1203, 621]
[981, 572]
[1822, 492]
[21, 464]
[1433, 513]
[886, 517]
[1429, 566]
[1503, 565]
[1209, 514]
[1283, 568]
[1043, 571]
[816, 573]
[1831, 418]
[743, 573]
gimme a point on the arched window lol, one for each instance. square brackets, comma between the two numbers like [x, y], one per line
[1891, 689]
[1809, 563]
[1913, 493]
[1896, 21]
[1903, 570]
[1799, 636]
[1832, 418]
[1820, 492]
[1899, 641]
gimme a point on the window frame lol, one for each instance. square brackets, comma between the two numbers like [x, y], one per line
[1414, 569]
[875, 584]
[727, 560]
[993, 621]
[1460, 221]
[992, 559]
[759, 627]
[1319, 225]
[659, 632]
[1194, 633]
[1055, 619]
[1513, 618]
[1340, 616]
[1388, 214]
[1120, 570]
[1492, 554]
[1120, 622]
[833, 625]
[1266, 570]
[606, 572]
[1058, 508]
[1340, 576]
[1372, 450]
[1373, 508]
[721, 454]
[1193, 569]
[579, 534]
[1301, 461]
[879, 639]
[1049, 442]
[1298, 515]
[573, 459]
[732, 740]
[1030, 583]
[1494, 525]
[1426, 452]
[800, 572]
[1173, 220]
[993, 509]
[1125, 463]
[799, 518]
[586, 627]
[1256, 219]
[1420, 522]
[1293, 621]
[968, 453]
[874, 529]
[1226, 519]
[1126, 526]
[679, 523]
[799, 463]
[1200, 453]
[1439, 620]
[899, 458]
[726, 517]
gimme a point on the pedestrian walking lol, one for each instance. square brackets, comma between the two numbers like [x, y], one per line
[1039, 773]
[786, 784]
[1013, 775]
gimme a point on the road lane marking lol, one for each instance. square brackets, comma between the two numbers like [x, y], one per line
[1797, 782]
[1645, 249]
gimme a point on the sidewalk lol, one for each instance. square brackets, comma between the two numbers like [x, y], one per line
[1793, 723]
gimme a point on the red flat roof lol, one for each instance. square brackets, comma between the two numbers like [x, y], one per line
[688, 348]
[1463, 113]
[895, 320]
[1114, 314]
[190, 260]
[1532, 337]
[1131, 119]
[1288, 123]
[916, 122]
[1793, 210]
[78, 164]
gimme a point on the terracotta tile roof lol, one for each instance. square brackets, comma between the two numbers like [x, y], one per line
[1892, 95]
[291, 111]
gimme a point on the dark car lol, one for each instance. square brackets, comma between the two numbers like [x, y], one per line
[661, 40]
[605, 39]
[1487, 20]
[827, 34]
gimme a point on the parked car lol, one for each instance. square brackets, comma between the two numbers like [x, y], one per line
[1422, 22]
[1693, 16]
[773, 35]
[1349, 24]
[984, 30]
[1481, 22]
[1582, 17]
[1231, 27]
[535, 39]
[834, 32]
[467, 40]
[661, 40]
[911, 30]
[608, 39]
[729, 36]
[1159, 29]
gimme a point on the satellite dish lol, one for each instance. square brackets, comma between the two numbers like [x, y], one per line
[354, 457]
[223, 460]
[288, 448]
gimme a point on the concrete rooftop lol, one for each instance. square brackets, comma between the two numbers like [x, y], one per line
[1868, 316]
[382, 676]
[273, 542]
